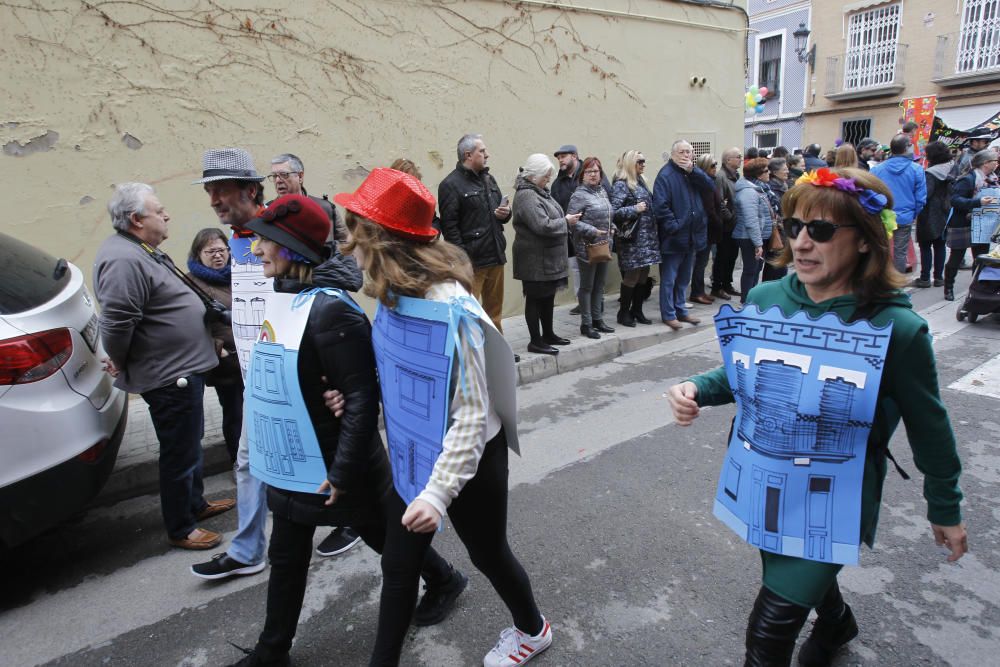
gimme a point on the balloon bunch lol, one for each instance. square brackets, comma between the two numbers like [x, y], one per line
[754, 99]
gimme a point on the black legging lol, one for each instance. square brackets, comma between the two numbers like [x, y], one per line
[726, 252]
[538, 310]
[955, 258]
[290, 551]
[479, 516]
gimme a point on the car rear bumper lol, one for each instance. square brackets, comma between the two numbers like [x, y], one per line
[34, 504]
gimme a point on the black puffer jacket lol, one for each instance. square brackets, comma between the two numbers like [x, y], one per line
[337, 344]
[466, 201]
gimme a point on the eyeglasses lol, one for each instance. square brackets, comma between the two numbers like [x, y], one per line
[215, 251]
[592, 171]
[715, 164]
[820, 231]
[640, 162]
[283, 175]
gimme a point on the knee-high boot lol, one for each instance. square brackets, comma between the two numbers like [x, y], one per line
[625, 317]
[638, 296]
[772, 629]
[834, 627]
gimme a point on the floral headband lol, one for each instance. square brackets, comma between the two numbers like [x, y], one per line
[873, 202]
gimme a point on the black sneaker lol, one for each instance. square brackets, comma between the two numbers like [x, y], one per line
[222, 566]
[438, 602]
[337, 542]
[575, 310]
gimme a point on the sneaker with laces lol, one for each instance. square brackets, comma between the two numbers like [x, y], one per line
[438, 601]
[222, 566]
[516, 648]
[337, 542]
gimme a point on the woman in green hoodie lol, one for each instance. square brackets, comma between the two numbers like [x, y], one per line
[842, 261]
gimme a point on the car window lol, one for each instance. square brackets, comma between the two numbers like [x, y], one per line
[30, 276]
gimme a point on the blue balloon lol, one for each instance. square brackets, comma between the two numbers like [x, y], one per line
[759, 108]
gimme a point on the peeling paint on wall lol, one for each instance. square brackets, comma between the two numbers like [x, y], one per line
[39, 144]
[86, 199]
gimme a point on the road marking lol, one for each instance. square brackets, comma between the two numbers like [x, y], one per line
[984, 380]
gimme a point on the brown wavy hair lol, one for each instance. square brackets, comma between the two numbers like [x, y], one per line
[397, 266]
[874, 275]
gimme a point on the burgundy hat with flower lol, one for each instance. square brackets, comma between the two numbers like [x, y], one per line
[396, 201]
[297, 223]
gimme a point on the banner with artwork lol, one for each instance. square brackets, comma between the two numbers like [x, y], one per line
[920, 110]
[805, 393]
[953, 136]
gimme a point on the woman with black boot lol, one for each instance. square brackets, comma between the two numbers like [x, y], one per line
[964, 198]
[334, 350]
[539, 252]
[838, 224]
[637, 238]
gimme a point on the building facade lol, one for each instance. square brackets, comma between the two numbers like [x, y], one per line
[873, 54]
[774, 64]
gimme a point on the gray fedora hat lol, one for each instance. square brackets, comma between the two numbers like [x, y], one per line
[225, 164]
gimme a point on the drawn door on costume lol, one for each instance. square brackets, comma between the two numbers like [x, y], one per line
[806, 391]
[985, 220]
[284, 450]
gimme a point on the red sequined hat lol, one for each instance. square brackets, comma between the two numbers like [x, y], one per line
[396, 201]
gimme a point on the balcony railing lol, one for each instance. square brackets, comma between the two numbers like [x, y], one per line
[869, 72]
[971, 56]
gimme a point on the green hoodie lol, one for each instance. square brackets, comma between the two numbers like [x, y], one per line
[909, 390]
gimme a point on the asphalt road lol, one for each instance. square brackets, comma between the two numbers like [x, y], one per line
[610, 512]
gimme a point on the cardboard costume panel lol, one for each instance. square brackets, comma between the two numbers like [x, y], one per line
[284, 451]
[251, 290]
[986, 219]
[416, 344]
[805, 391]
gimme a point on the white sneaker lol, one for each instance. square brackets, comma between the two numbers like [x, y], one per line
[517, 648]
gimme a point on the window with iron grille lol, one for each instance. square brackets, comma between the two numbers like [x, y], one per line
[853, 131]
[766, 139]
[769, 69]
[979, 41]
[872, 37]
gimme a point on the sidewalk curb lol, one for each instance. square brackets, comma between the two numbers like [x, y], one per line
[142, 477]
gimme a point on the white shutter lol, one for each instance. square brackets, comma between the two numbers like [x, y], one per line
[979, 41]
[872, 37]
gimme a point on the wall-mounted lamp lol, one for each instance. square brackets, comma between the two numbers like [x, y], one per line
[801, 40]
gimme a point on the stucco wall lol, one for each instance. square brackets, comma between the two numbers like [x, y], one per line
[102, 92]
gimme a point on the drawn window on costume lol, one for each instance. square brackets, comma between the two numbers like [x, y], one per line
[768, 497]
[733, 479]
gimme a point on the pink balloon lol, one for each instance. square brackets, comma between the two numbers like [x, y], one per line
[763, 91]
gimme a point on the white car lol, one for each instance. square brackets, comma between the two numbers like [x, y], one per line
[62, 420]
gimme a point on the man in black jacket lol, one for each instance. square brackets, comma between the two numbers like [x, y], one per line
[812, 158]
[473, 213]
[288, 176]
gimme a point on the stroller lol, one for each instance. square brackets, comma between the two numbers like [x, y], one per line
[984, 292]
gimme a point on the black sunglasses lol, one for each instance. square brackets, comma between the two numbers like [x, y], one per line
[640, 162]
[819, 230]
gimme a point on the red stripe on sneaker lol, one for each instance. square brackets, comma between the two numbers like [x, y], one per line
[525, 647]
[514, 658]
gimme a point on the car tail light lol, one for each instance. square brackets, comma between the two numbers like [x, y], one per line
[34, 357]
[94, 453]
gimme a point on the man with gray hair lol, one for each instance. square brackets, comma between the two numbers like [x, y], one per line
[288, 176]
[158, 345]
[682, 226]
[473, 213]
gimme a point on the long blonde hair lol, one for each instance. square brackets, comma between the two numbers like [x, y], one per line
[625, 170]
[399, 267]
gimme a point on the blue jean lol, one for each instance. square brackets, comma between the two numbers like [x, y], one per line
[751, 267]
[675, 274]
[249, 544]
[178, 417]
